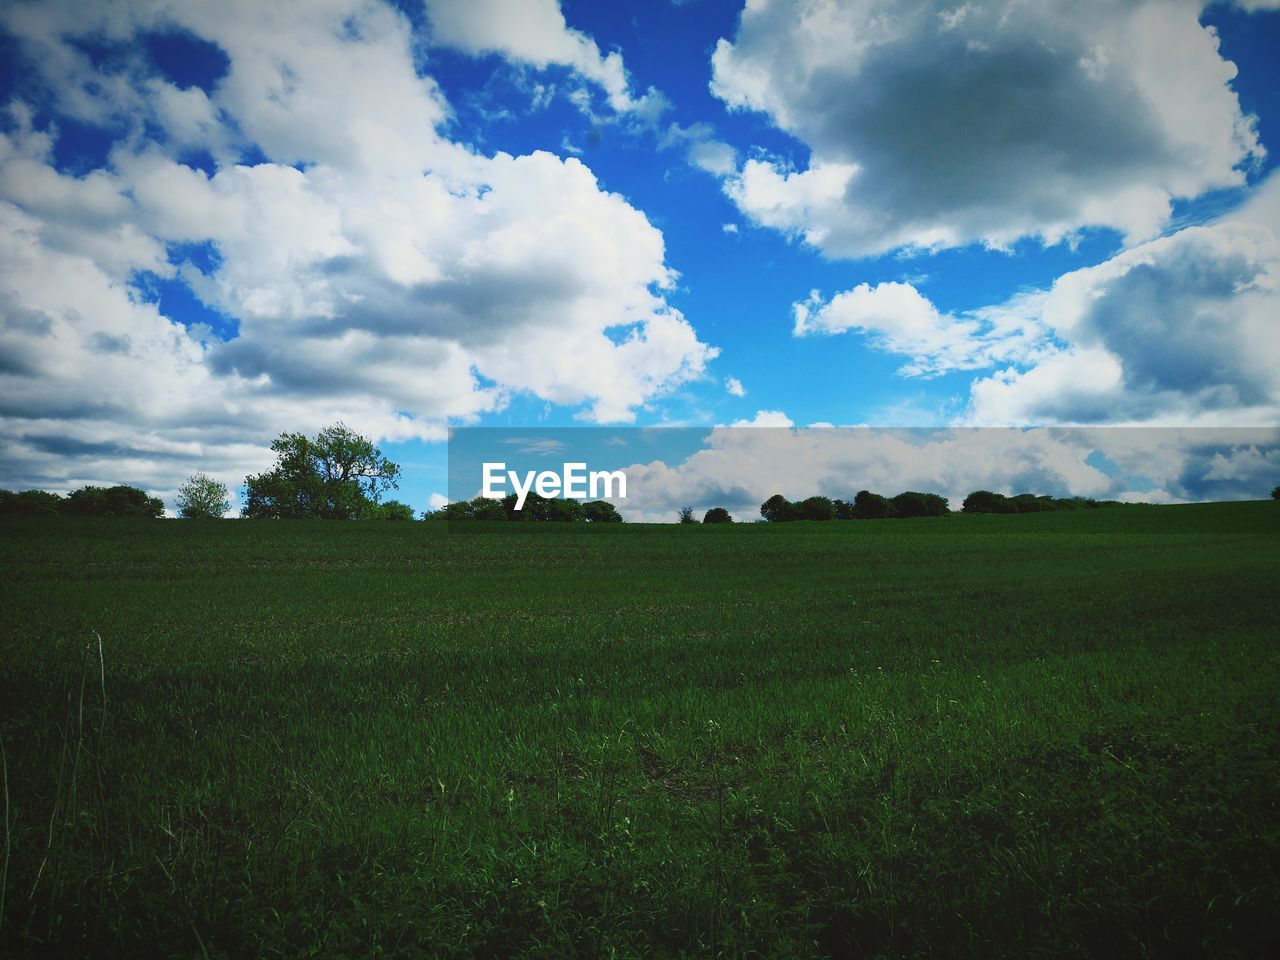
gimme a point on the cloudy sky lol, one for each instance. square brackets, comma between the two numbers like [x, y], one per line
[222, 221]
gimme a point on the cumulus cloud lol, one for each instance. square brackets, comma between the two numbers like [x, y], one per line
[1178, 330]
[897, 318]
[984, 123]
[740, 468]
[534, 32]
[371, 268]
[734, 387]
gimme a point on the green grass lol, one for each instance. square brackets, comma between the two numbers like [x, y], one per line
[1043, 735]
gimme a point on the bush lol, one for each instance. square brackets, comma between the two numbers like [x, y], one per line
[394, 510]
[117, 501]
[717, 515]
[601, 511]
[984, 501]
[815, 508]
[29, 503]
[871, 506]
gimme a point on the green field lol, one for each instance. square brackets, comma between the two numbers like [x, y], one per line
[991, 736]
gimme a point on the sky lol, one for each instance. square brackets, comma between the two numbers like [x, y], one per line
[222, 222]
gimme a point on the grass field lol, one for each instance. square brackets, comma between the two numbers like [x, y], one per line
[1009, 736]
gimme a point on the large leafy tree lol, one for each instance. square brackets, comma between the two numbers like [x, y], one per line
[203, 497]
[339, 475]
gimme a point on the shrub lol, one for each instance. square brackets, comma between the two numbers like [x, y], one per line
[601, 511]
[117, 501]
[871, 506]
[717, 515]
[29, 503]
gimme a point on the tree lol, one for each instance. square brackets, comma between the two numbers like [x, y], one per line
[601, 511]
[487, 508]
[778, 509]
[984, 501]
[915, 504]
[29, 503]
[717, 515]
[815, 508]
[908, 504]
[565, 510]
[843, 509]
[117, 501]
[395, 510]
[339, 475]
[203, 497]
[1275, 494]
[871, 506]
[686, 515]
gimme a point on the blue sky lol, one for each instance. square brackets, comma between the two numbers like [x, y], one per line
[218, 225]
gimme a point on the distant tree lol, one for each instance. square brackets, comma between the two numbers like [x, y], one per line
[843, 509]
[909, 504]
[686, 515]
[202, 497]
[871, 506]
[395, 510]
[29, 503]
[487, 508]
[1275, 494]
[717, 515]
[1030, 503]
[984, 501]
[778, 509]
[565, 510]
[481, 508]
[339, 475]
[915, 504]
[815, 508]
[601, 511]
[117, 501]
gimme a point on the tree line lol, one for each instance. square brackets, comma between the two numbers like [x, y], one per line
[88, 501]
[911, 503]
[340, 475]
[337, 475]
[536, 508]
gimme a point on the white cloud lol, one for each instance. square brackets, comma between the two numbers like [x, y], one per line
[377, 271]
[1178, 330]
[988, 123]
[734, 387]
[534, 32]
[897, 318]
[702, 149]
[740, 468]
